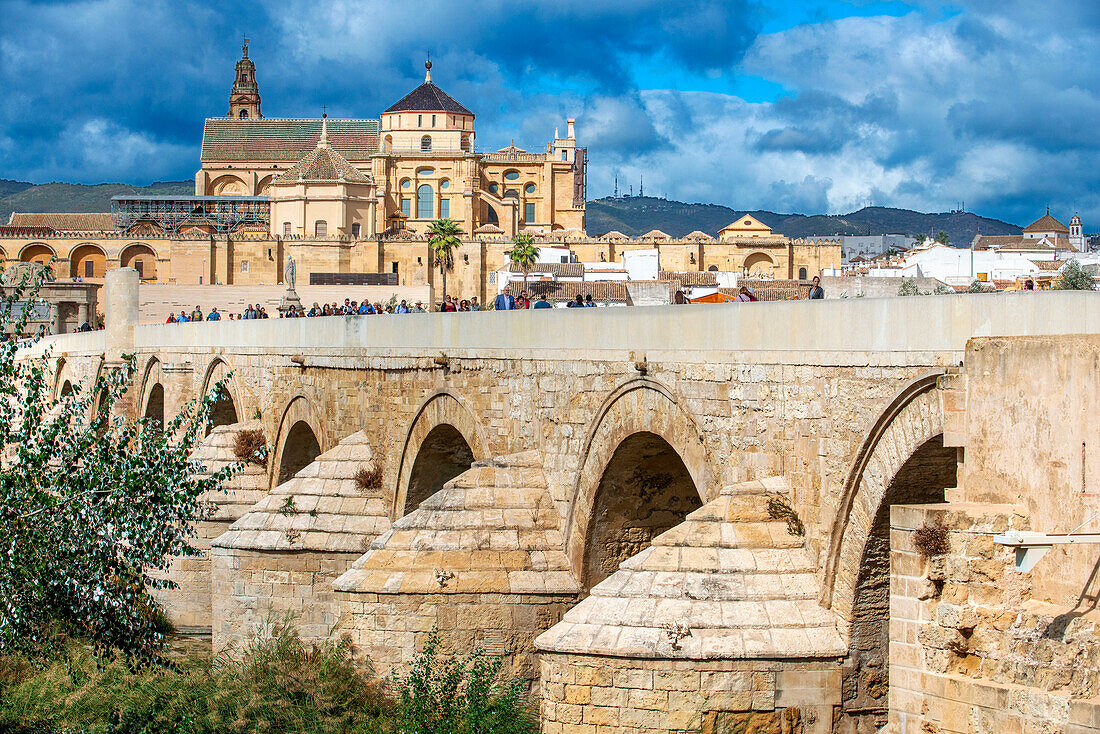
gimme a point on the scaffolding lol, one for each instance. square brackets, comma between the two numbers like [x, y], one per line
[171, 213]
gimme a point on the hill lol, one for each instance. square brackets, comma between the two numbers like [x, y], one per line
[19, 196]
[637, 215]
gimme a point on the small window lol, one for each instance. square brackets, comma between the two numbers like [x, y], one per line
[493, 188]
[565, 155]
[89, 268]
[511, 175]
[355, 230]
[426, 142]
[802, 273]
[529, 212]
[433, 120]
[444, 208]
[286, 229]
[393, 266]
[320, 228]
[243, 115]
[421, 172]
[406, 206]
[529, 188]
[444, 184]
[140, 267]
[492, 277]
[420, 120]
[244, 266]
[747, 222]
[405, 183]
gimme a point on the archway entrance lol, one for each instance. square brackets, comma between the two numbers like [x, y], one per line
[443, 455]
[66, 389]
[645, 490]
[224, 412]
[922, 479]
[299, 451]
[154, 407]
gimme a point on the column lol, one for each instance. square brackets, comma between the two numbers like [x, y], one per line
[120, 309]
[81, 314]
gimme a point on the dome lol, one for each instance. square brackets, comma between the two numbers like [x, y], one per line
[428, 98]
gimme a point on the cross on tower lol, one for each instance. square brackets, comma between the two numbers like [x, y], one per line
[324, 110]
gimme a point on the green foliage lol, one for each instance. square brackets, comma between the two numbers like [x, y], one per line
[275, 684]
[908, 287]
[943, 238]
[1074, 278]
[444, 237]
[92, 507]
[452, 696]
[523, 254]
[17, 196]
[977, 286]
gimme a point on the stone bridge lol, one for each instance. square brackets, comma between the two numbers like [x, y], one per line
[665, 517]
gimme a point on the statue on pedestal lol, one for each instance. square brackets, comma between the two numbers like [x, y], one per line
[289, 273]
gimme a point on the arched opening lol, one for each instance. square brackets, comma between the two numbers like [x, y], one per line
[263, 186]
[142, 259]
[299, 451]
[713, 268]
[802, 273]
[443, 455]
[387, 144]
[224, 412]
[491, 215]
[154, 407]
[228, 186]
[36, 253]
[645, 489]
[425, 202]
[758, 264]
[320, 228]
[66, 388]
[922, 479]
[426, 142]
[243, 115]
[87, 261]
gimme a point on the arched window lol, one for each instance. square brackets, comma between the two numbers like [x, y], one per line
[466, 143]
[426, 142]
[243, 115]
[425, 204]
[320, 228]
[286, 229]
[511, 193]
[802, 273]
[388, 144]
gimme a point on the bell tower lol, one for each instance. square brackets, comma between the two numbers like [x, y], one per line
[244, 100]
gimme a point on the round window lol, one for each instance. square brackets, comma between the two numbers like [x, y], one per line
[444, 184]
[511, 175]
[529, 188]
[493, 188]
[406, 183]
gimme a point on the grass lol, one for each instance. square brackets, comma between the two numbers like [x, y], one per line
[276, 684]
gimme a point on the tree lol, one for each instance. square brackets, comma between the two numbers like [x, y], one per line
[443, 239]
[524, 254]
[908, 287]
[92, 507]
[1074, 278]
[942, 238]
[921, 239]
[976, 286]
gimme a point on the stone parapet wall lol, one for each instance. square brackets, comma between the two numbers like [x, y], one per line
[250, 589]
[389, 629]
[584, 694]
[971, 651]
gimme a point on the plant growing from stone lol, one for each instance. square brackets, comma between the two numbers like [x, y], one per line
[93, 506]
[367, 480]
[444, 237]
[250, 446]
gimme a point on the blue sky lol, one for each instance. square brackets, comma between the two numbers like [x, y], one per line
[812, 106]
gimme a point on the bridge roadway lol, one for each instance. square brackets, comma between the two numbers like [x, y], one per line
[522, 457]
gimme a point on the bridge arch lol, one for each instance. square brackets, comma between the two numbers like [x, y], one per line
[641, 415]
[299, 441]
[152, 391]
[228, 408]
[443, 440]
[902, 460]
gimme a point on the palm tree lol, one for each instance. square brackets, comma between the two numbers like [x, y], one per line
[443, 239]
[524, 254]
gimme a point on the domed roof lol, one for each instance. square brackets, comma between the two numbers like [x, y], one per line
[428, 98]
[322, 164]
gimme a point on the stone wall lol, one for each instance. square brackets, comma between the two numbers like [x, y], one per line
[597, 695]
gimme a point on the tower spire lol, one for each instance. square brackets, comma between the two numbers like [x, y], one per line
[428, 71]
[323, 142]
[244, 99]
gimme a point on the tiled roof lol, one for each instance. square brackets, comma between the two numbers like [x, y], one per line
[1019, 243]
[560, 270]
[771, 290]
[698, 235]
[565, 290]
[656, 234]
[428, 98]
[1049, 264]
[1047, 223]
[64, 222]
[8, 230]
[225, 139]
[689, 277]
[488, 229]
[322, 164]
[613, 235]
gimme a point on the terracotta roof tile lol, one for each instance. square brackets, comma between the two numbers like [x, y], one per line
[322, 164]
[1047, 223]
[64, 221]
[225, 139]
[561, 291]
[772, 290]
[559, 270]
[689, 277]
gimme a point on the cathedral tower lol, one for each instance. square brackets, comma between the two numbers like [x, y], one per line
[244, 100]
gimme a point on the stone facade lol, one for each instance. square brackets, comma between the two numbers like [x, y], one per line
[504, 441]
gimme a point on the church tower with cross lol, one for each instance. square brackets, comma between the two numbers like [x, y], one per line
[244, 100]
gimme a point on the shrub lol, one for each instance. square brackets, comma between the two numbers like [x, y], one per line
[368, 480]
[931, 540]
[779, 508]
[1074, 278]
[251, 446]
